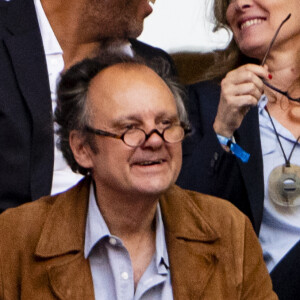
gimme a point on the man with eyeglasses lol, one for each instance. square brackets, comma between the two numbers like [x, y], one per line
[126, 231]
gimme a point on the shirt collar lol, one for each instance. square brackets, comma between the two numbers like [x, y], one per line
[266, 130]
[268, 139]
[96, 230]
[50, 42]
[162, 258]
[263, 101]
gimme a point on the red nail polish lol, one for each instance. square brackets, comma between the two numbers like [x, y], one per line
[270, 76]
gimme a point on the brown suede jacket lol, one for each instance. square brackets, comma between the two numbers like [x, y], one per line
[213, 251]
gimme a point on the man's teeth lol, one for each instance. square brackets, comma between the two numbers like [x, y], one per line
[148, 163]
[251, 22]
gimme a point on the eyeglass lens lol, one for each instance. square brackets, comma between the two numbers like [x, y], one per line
[136, 137]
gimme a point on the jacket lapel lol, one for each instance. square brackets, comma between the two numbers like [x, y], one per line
[72, 279]
[25, 47]
[192, 245]
[248, 137]
[62, 243]
[24, 44]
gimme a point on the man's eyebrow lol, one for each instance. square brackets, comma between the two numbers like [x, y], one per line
[124, 119]
[171, 117]
[138, 119]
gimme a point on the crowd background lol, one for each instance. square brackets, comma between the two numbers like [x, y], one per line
[184, 29]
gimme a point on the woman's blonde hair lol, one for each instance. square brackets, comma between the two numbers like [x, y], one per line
[229, 58]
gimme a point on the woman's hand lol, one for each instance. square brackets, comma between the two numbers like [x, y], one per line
[240, 89]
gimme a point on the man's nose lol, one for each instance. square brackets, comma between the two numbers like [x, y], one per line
[154, 138]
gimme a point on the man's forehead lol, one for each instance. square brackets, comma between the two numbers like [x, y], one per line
[136, 117]
[125, 91]
[120, 69]
[126, 77]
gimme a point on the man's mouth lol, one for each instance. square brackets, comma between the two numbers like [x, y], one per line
[251, 22]
[150, 162]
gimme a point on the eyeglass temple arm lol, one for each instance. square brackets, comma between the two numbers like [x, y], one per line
[273, 39]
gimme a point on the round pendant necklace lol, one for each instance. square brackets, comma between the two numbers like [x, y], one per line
[284, 180]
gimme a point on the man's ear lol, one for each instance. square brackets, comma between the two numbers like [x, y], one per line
[81, 150]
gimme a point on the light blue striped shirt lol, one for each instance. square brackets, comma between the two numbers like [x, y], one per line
[280, 229]
[111, 266]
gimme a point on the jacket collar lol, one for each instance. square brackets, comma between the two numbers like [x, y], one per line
[64, 228]
[62, 242]
[192, 244]
[248, 137]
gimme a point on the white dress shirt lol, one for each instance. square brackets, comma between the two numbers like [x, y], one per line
[63, 176]
[111, 265]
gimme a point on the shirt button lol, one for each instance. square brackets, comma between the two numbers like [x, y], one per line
[112, 241]
[124, 275]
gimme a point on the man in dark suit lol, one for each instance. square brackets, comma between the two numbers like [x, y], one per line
[38, 39]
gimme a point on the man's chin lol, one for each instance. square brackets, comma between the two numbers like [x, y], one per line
[135, 30]
[154, 190]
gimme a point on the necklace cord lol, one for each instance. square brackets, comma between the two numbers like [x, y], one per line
[284, 93]
[287, 160]
[294, 146]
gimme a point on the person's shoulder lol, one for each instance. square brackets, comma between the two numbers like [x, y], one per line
[154, 56]
[220, 213]
[21, 228]
[26, 217]
[32, 215]
[208, 203]
[142, 47]
[206, 86]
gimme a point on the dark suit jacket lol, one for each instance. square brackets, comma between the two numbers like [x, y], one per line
[26, 125]
[213, 250]
[207, 168]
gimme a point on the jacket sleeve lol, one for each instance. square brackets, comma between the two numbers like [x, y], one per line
[257, 283]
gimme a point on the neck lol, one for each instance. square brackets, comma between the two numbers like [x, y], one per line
[133, 220]
[76, 38]
[285, 69]
[127, 216]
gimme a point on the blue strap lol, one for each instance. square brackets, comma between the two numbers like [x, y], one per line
[234, 148]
